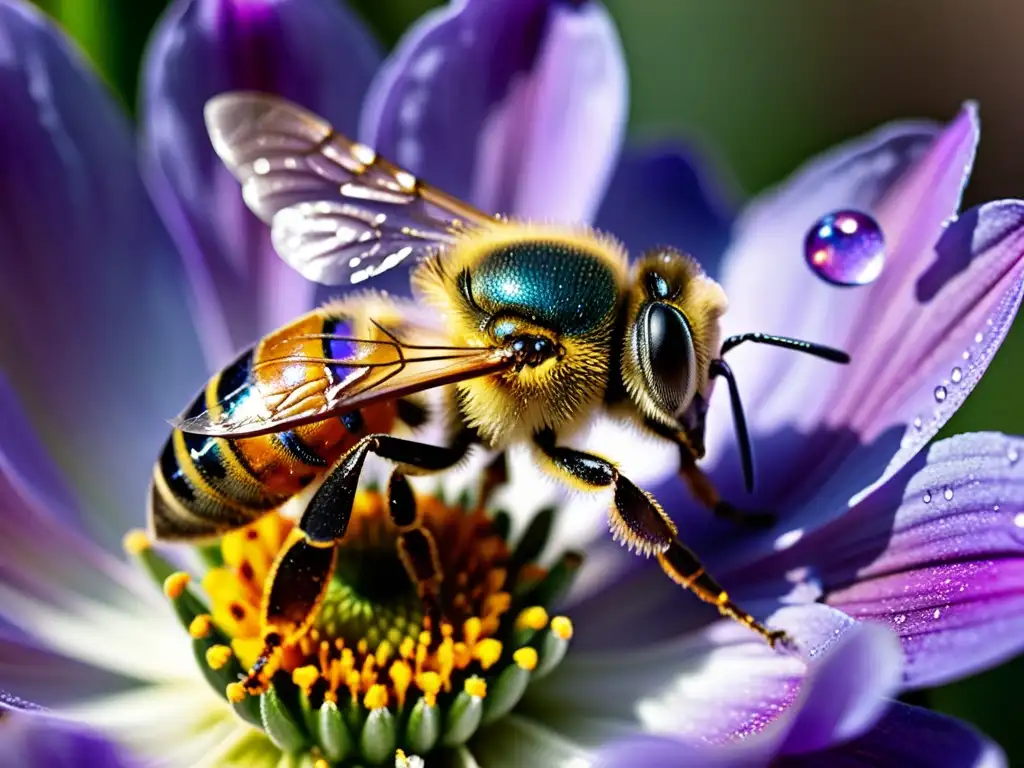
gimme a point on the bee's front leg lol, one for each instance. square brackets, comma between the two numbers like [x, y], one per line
[639, 522]
[704, 492]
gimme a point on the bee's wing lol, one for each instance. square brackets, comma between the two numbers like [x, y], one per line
[291, 390]
[338, 213]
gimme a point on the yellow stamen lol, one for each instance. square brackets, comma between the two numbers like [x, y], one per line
[401, 677]
[174, 585]
[476, 687]
[200, 626]
[305, 677]
[376, 697]
[471, 630]
[135, 542]
[488, 652]
[526, 658]
[217, 656]
[562, 627]
[430, 684]
[236, 693]
[535, 618]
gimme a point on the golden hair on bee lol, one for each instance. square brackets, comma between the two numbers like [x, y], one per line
[556, 284]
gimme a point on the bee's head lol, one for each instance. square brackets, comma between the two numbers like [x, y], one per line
[672, 334]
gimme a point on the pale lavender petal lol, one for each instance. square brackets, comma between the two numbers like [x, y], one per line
[662, 195]
[938, 557]
[908, 736]
[724, 683]
[646, 750]
[46, 742]
[93, 333]
[314, 52]
[518, 107]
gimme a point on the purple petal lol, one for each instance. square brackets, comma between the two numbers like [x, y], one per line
[314, 52]
[92, 301]
[666, 751]
[43, 742]
[518, 106]
[660, 196]
[724, 683]
[939, 557]
[908, 736]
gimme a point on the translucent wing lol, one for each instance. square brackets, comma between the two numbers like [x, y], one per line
[339, 214]
[287, 390]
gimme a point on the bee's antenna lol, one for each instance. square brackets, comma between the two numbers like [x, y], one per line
[818, 350]
[720, 368]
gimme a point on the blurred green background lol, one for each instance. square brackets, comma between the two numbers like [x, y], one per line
[763, 86]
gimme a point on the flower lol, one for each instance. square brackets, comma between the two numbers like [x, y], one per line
[540, 88]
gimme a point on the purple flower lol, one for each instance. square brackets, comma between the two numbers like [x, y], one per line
[519, 107]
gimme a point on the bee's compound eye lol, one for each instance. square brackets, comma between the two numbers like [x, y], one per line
[667, 356]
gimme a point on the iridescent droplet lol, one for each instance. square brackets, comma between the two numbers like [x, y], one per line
[927, 497]
[845, 248]
[956, 375]
[948, 494]
[940, 394]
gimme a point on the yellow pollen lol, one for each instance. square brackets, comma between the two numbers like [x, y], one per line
[200, 626]
[305, 677]
[430, 684]
[526, 658]
[174, 585]
[562, 627]
[401, 761]
[488, 652]
[535, 618]
[376, 697]
[401, 677]
[135, 542]
[475, 687]
[723, 597]
[471, 630]
[236, 693]
[407, 648]
[217, 656]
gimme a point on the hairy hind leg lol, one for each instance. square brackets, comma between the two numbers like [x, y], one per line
[416, 549]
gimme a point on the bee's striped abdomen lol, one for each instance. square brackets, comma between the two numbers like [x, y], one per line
[204, 486]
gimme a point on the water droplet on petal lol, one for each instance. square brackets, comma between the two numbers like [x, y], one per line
[845, 248]
[948, 494]
[940, 394]
[1012, 455]
[979, 337]
[956, 375]
[927, 497]
[938, 612]
[918, 423]
[966, 355]
[899, 619]
[1018, 519]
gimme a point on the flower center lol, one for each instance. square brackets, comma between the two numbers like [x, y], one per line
[367, 658]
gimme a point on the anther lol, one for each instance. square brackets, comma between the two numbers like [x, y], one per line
[475, 687]
[534, 617]
[200, 626]
[488, 652]
[217, 656]
[136, 542]
[376, 697]
[562, 627]
[306, 677]
[236, 693]
[526, 658]
[430, 684]
[174, 585]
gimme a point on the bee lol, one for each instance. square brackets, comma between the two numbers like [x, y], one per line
[527, 329]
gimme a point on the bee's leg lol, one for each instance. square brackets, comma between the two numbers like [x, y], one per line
[495, 475]
[704, 492]
[416, 549]
[295, 587]
[639, 522]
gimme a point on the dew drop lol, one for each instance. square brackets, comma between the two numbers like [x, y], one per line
[899, 619]
[938, 612]
[948, 494]
[956, 375]
[979, 337]
[966, 355]
[918, 423]
[845, 248]
[1012, 455]
[940, 394]
[1018, 520]
[927, 498]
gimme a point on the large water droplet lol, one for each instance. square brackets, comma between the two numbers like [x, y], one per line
[940, 394]
[927, 497]
[956, 375]
[948, 494]
[845, 248]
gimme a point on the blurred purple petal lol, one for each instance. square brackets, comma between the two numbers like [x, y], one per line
[664, 751]
[38, 742]
[92, 304]
[908, 736]
[662, 196]
[938, 557]
[314, 52]
[518, 106]
[723, 682]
